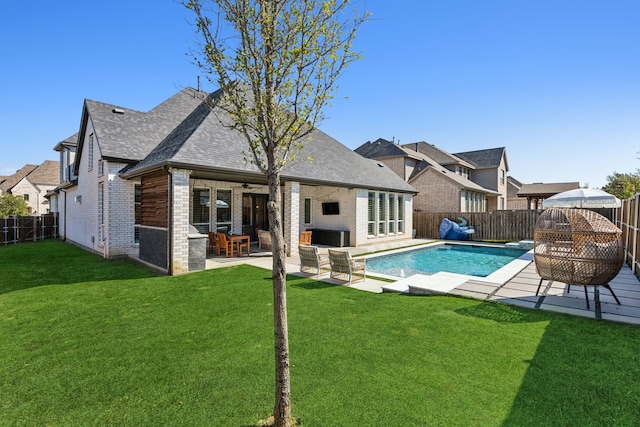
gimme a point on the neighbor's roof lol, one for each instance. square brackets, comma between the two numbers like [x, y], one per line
[185, 132]
[439, 155]
[47, 173]
[546, 190]
[485, 159]
[382, 148]
[12, 180]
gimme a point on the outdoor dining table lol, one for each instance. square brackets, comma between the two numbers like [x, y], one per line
[238, 239]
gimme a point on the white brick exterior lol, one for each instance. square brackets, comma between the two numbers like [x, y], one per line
[179, 220]
[80, 212]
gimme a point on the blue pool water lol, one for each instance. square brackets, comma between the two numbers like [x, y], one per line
[462, 259]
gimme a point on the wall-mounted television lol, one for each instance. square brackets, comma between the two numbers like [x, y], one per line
[330, 208]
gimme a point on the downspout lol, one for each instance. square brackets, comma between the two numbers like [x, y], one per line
[65, 214]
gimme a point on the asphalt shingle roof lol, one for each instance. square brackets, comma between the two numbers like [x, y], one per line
[47, 173]
[541, 189]
[482, 159]
[184, 131]
[382, 148]
[439, 155]
[12, 180]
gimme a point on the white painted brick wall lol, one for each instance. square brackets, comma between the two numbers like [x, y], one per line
[180, 220]
[291, 197]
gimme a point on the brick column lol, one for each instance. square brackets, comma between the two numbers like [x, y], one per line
[179, 226]
[291, 198]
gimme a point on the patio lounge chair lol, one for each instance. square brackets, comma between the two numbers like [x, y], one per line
[310, 259]
[305, 238]
[577, 247]
[343, 266]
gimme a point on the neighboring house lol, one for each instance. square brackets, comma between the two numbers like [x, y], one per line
[140, 180]
[515, 202]
[33, 183]
[473, 181]
[536, 193]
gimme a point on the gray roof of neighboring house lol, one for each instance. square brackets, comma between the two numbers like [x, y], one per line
[47, 173]
[484, 159]
[184, 132]
[382, 148]
[12, 180]
[514, 181]
[439, 155]
[541, 189]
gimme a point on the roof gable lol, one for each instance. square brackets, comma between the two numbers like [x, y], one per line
[439, 155]
[485, 159]
[12, 180]
[48, 173]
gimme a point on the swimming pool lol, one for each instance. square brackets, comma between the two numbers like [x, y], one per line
[472, 260]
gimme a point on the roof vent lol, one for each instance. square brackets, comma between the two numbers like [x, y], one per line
[117, 111]
[381, 165]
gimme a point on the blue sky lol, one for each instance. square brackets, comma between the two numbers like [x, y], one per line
[555, 82]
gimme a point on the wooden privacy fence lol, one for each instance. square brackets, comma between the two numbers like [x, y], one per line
[20, 229]
[500, 225]
[628, 220]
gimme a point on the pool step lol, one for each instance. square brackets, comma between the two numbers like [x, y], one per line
[421, 284]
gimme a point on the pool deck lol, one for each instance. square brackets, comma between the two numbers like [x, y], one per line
[514, 284]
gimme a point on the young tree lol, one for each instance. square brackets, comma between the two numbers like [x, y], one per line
[277, 65]
[623, 185]
[11, 205]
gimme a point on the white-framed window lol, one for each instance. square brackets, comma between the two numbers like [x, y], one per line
[25, 197]
[400, 213]
[307, 210]
[502, 176]
[382, 214]
[100, 167]
[391, 228]
[137, 212]
[90, 153]
[371, 220]
[201, 209]
[386, 213]
[223, 211]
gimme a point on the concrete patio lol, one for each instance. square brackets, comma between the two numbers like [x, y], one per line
[515, 284]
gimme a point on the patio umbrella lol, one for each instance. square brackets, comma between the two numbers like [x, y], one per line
[582, 198]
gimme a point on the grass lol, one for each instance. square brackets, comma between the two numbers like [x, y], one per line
[87, 341]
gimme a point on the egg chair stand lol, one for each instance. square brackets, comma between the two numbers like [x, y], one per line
[577, 247]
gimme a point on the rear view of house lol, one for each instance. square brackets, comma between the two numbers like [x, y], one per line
[141, 183]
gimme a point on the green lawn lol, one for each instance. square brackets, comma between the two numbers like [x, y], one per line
[86, 341]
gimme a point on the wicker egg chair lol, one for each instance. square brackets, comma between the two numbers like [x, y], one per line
[577, 247]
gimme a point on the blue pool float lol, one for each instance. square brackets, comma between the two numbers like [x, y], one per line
[450, 230]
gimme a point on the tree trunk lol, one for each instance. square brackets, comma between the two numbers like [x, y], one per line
[282, 407]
